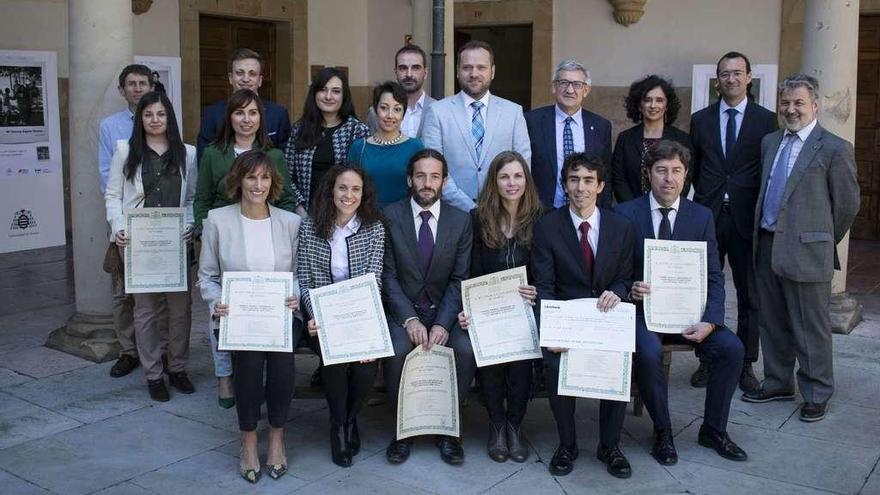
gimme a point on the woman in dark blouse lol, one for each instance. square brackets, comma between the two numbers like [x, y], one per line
[653, 106]
[507, 208]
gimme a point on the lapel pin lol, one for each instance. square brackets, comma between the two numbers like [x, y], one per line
[591, 128]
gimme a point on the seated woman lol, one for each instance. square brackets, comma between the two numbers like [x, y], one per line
[252, 235]
[384, 155]
[154, 169]
[506, 211]
[343, 239]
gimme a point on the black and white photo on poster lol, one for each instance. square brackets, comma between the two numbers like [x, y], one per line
[23, 106]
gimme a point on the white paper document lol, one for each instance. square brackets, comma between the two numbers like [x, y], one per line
[678, 274]
[427, 403]
[578, 324]
[155, 256]
[595, 374]
[259, 319]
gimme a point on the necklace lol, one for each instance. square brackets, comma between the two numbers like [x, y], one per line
[387, 142]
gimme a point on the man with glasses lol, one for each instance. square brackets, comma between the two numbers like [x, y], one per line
[559, 130]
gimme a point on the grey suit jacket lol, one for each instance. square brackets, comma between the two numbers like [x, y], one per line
[819, 205]
[373, 124]
[223, 248]
[447, 129]
[402, 278]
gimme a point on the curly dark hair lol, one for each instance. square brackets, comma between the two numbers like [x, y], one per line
[324, 210]
[640, 88]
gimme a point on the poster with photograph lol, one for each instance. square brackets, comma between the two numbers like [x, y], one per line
[166, 77]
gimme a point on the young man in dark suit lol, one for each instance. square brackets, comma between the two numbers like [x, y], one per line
[664, 214]
[581, 250]
[726, 138]
[427, 255]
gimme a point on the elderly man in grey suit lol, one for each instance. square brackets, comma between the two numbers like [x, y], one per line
[427, 255]
[809, 197]
[471, 127]
[411, 72]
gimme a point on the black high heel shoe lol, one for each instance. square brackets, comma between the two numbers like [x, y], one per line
[353, 437]
[339, 448]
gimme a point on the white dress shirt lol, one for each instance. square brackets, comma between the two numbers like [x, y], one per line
[657, 217]
[470, 111]
[593, 233]
[417, 217]
[339, 268]
[796, 148]
[259, 253]
[577, 134]
[412, 119]
[723, 118]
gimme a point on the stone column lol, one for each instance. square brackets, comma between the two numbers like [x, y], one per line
[100, 35]
[830, 53]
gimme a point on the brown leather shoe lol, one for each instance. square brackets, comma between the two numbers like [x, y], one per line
[813, 411]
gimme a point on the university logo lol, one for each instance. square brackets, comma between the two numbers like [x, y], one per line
[23, 220]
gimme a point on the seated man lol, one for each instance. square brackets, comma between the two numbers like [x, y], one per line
[664, 214]
[581, 250]
[427, 255]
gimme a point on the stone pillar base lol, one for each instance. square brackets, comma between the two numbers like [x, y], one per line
[90, 337]
[846, 313]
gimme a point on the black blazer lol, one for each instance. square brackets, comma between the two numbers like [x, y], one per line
[557, 264]
[626, 164]
[541, 124]
[277, 125]
[739, 174]
[402, 278]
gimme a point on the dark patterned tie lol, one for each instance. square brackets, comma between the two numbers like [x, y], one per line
[730, 135]
[585, 245]
[426, 241]
[567, 138]
[664, 233]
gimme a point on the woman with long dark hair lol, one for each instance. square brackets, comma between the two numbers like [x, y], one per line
[345, 238]
[154, 169]
[506, 211]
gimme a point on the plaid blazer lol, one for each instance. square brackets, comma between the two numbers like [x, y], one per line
[299, 162]
[366, 251]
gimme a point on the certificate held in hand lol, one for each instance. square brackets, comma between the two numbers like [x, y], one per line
[259, 319]
[677, 272]
[155, 256]
[427, 403]
[578, 324]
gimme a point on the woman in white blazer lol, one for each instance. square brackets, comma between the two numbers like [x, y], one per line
[252, 235]
[154, 169]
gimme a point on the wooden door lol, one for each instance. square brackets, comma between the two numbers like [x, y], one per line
[513, 59]
[218, 38]
[867, 140]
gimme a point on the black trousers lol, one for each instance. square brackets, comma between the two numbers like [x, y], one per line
[346, 387]
[738, 251]
[506, 388]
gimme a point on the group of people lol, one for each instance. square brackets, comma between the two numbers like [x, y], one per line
[428, 193]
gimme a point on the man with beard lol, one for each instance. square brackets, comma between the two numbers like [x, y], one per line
[427, 255]
[411, 72]
[471, 127]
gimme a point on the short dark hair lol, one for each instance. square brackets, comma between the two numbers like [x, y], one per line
[396, 90]
[474, 45]
[411, 48]
[667, 149]
[242, 54]
[426, 153]
[730, 55]
[138, 69]
[582, 160]
[640, 88]
[246, 163]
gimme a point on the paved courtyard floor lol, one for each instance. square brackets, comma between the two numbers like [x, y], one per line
[66, 427]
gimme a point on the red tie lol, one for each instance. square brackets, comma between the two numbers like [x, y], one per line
[585, 245]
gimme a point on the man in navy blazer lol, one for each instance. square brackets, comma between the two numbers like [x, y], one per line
[550, 127]
[664, 214]
[582, 251]
[245, 72]
[727, 177]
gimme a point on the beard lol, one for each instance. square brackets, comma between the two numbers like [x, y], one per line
[424, 201]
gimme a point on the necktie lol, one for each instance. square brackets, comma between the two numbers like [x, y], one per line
[567, 138]
[730, 134]
[664, 233]
[585, 245]
[776, 188]
[478, 130]
[426, 251]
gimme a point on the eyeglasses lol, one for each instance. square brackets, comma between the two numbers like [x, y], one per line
[736, 74]
[565, 84]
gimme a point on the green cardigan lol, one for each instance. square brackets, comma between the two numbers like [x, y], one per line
[211, 186]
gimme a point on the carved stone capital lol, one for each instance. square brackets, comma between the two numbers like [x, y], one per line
[628, 12]
[139, 7]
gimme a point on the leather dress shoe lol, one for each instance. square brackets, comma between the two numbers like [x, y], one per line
[157, 389]
[353, 437]
[497, 446]
[721, 443]
[339, 451]
[124, 365]
[748, 382]
[563, 460]
[760, 395]
[516, 447]
[397, 451]
[813, 411]
[616, 462]
[181, 382]
[450, 450]
[701, 376]
[663, 450]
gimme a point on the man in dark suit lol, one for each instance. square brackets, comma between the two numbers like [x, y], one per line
[427, 255]
[663, 214]
[726, 138]
[581, 250]
[245, 72]
[809, 198]
[559, 130]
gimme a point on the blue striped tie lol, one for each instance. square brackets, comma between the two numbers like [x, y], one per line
[776, 188]
[477, 128]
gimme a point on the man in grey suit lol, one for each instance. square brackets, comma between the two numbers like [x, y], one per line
[411, 72]
[427, 255]
[471, 127]
[809, 197]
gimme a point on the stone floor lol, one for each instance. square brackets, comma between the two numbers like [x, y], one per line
[66, 427]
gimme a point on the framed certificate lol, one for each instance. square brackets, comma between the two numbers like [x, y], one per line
[427, 403]
[155, 256]
[351, 321]
[259, 319]
[678, 274]
[502, 326]
[578, 324]
[595, 374]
